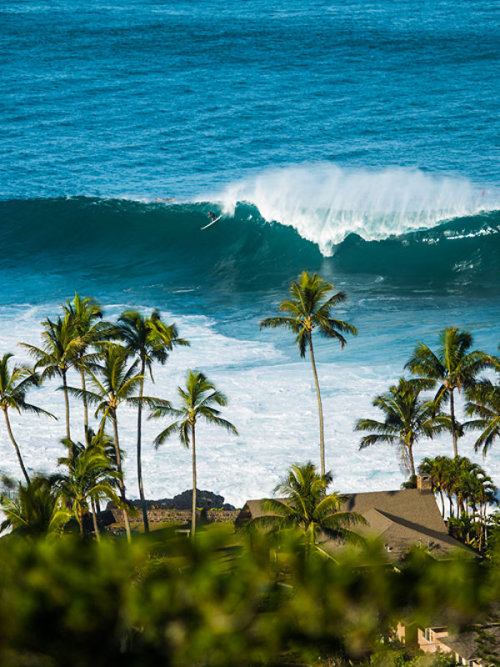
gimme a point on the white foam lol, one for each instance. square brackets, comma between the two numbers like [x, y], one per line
[325, 202]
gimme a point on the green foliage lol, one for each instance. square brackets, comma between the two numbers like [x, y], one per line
[310, 307]
[401, 658]
[200, 400]
[33, 510]
[165, 600]
[148, 338]
[484, 404]
[308, 507]
[470, 492]
[91, 476]
[14, 385]
[407, 419]
[452, 368]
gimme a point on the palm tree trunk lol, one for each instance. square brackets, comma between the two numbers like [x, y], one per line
[139, 461]
[85, 408]
[94, 521]
[120, 481]
[16, 447]
[412, 462]
[66, 402]
[320, 410]
[80, 521]
[453, 427]
[442, 502]
[193, 454]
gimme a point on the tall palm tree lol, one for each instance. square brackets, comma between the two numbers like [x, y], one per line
[198, 401]
[90, 477]
[113, 382]
[33, 510]
[307, 506]
[59, 351]
[13, 388]
[407, 419]
[149, 339]
[85, 315]
[308, 309]
[484, 403]
[452, 367]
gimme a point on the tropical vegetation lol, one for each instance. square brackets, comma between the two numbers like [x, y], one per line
[308, 309]
[306, 505]
[469, 491]
[199, 401]
[484, 404]
[408, 418]
[454, 367]
[149, 339]
[91, 476]
[226, 597]
[14, 385]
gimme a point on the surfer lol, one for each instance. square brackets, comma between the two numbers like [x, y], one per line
[213, 217]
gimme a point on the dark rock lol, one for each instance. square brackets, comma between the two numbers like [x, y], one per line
[105, 518]
[204, 500]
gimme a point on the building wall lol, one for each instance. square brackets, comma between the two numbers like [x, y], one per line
[428, 640]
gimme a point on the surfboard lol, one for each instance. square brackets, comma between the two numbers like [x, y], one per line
[212, 222]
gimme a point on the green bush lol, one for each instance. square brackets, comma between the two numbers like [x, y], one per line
[220, 599]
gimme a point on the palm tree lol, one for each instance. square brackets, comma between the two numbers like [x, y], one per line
[452, 367]
[308, 309]
[90, 477]
[113, 384]
[34, 510]
[439, 470]
[484, 403]
[13, 388]
[84, 313]
[60, 349]
[149, 339]
[198, 401]
[470, 491]
[473, 490]
[307, 506]
[407, 419]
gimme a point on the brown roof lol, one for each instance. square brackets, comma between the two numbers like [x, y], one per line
[465, 644]
[400, 518]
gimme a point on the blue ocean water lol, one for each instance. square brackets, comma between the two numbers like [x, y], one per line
[358, 139]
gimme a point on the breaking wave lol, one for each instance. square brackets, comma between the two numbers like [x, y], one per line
[325, 203]
[248, 247]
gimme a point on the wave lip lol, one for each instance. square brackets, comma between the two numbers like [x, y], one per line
[325, 203]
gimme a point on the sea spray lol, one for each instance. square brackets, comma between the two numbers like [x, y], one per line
[325, 202]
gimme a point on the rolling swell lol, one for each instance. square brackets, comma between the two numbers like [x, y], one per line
[129, 242]
[461, 252]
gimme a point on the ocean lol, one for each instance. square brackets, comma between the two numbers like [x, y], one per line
[356, 139]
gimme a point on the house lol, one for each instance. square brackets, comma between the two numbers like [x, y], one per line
[401, 519]
[464, 645]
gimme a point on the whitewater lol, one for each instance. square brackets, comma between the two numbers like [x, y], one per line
[356, 140]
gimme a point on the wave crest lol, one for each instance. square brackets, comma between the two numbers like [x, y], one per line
[325, 203]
